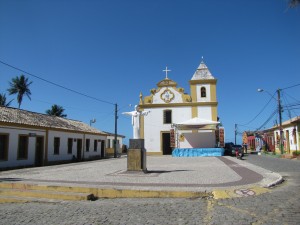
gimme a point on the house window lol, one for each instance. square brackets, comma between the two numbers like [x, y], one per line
[23, 147]
[87, 145]
[70, 145]
[56, 145]
[3, 146]
[203, 92]
[167, 116]
[95, 145]
[108, 143]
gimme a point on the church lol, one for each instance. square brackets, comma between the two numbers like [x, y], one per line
[180, 120]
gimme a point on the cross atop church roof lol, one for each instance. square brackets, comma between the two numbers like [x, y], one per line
[166, 70]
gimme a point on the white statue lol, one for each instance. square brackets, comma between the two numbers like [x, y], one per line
[135, 120]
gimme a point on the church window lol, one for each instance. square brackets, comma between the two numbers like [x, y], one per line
[203, 92]
[167, 116]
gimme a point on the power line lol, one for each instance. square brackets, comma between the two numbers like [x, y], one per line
[258, 113]
[268, 120]
[290, 87]
[55, 84]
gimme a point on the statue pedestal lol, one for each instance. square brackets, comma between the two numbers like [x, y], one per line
[136, 155]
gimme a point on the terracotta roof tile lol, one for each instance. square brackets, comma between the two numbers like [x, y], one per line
[23, 117]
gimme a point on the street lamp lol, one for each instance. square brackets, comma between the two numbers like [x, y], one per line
[279, 115]
[92, 121]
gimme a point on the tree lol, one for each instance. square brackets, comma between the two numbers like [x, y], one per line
[3, 101]
[56, 110]
[20, 86]
[294, 3]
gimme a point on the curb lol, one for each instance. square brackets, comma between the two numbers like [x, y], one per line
[239, 192]
[99, 192]
[276, 182]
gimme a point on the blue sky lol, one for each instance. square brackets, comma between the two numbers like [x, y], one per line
[114, 49]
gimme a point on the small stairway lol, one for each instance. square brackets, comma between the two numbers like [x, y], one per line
[24, 192]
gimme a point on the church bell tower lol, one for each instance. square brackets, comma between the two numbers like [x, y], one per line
[203, 92]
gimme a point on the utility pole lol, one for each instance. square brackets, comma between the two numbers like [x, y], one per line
[116, 130]
[235, 133]
[280, 121]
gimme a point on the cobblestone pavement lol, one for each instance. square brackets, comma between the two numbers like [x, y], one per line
[280, 206]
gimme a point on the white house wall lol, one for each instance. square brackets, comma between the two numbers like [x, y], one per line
[292, 144]
[63, 149]
[91, 153]
[110, 143]
[13, 140]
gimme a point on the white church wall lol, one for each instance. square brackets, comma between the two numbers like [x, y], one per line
[154, 123]
[204, 112]
[157, 97]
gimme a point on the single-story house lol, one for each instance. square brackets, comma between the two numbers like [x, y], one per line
[270, 138]
[110, 143]
[35, 139]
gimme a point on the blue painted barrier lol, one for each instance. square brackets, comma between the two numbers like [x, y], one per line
[197, 152]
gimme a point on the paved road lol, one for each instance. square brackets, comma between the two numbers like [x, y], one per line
[280, 206]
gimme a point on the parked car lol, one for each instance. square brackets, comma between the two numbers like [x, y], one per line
[230, 149]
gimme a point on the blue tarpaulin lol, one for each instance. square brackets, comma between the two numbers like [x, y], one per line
[197, 152]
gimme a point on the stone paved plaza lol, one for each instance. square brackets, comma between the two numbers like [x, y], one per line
[279, 206]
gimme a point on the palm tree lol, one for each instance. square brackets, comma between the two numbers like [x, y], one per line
[3, 101]
[56, 110]
[20, 86]
[294, 3]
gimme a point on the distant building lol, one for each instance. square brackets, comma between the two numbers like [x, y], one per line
[178, 119]
[35, 139]
[110, 143]
[269, 139]
[290, 130]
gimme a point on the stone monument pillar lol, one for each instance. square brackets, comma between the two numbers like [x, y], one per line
[136, 156]
[136, 153]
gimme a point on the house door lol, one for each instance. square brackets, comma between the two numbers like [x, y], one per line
[79, 149]
[166, 145]
[102, 148]
[287, 141]
[39, 151]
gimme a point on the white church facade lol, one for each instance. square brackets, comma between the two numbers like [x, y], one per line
[178, 119]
